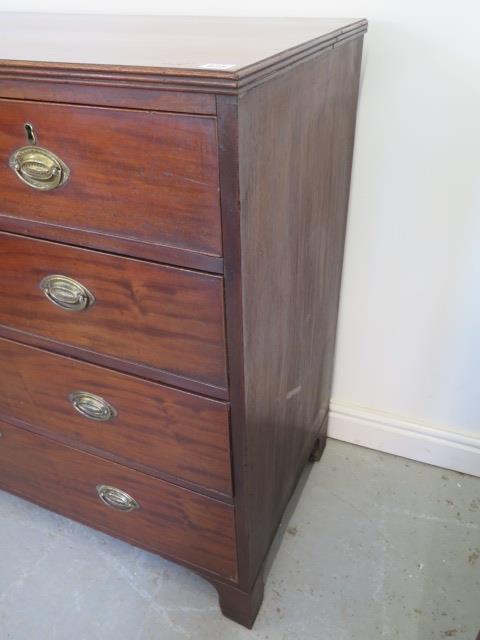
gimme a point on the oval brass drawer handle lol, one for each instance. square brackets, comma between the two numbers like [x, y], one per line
[91, 406]
[116, 498]
[38, 167]
[67, 293]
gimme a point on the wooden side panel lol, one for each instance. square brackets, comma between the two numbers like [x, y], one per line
[167, 318]
[171, 521]
[295, 146]
[137, 175]
[158, 430]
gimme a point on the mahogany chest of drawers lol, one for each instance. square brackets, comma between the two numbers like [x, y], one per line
[173, 200]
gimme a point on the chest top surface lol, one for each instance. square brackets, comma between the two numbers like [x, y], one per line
[225, 46]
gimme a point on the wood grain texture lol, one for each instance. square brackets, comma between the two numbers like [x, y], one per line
[163, 317]
[261, 336]
[227, 110]
[162, 48]
[136, 175]
[295, 138]
[106, 96]
[139, 370]
[171, 521]
[121, 246]
[240, 606]
[157, 430]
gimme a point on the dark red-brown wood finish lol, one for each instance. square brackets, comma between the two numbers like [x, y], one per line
[285, 204]
[147, 314]
[162, 431]
[140, 176]
[206, 211]
[169, 520]
[293, 201]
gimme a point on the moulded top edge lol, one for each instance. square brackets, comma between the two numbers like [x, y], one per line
[202, 51]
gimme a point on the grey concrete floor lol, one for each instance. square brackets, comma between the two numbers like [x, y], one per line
[377, 547]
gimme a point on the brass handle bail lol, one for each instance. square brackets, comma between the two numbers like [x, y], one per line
[67, 293]
[91, 406]
[37, 167]
[116, 498]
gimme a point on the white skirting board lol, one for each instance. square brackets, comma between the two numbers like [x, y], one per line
[391, 434]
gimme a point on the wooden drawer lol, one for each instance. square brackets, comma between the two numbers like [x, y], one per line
[139, 176]
[150, 427]
[162, 317]
[170, 520]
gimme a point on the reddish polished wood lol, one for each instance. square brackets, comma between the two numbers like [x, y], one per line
[136, 175]
[133, 368]
[106, 96]
[284, 224]
[238, 605]
[157, 253]
[172, 521]
[284, 123]
[157, 429]
[215, 54]
[167, 318]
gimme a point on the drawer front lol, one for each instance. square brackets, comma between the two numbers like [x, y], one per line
[142, 424]
[169, 520]
[167, 318]
[139, 175]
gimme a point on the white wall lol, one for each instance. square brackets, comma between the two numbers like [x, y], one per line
[407, 374]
